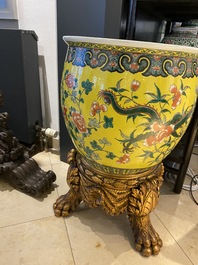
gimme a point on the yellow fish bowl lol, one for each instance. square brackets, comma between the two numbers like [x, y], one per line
[126, 104]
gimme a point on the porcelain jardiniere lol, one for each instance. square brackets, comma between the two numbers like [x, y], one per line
[185, 35]
[126, 104]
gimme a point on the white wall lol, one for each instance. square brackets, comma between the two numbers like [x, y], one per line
[40, 16]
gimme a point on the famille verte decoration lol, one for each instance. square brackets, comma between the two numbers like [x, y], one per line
[126, 105]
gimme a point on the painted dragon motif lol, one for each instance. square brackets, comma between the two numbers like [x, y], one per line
[110, 98]
[150, 128]
[151, 115]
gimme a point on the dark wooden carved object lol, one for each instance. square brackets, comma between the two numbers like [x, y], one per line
[16, 165]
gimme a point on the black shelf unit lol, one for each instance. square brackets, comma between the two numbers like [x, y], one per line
[170, 10]
[177, 162]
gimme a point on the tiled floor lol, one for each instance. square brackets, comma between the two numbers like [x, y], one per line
[31, 234]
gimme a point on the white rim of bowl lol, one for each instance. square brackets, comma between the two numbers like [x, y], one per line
[131, 43]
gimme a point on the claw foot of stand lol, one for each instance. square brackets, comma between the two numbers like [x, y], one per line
[142, 201]
[68, 202]
[136, 194]
[147, 240]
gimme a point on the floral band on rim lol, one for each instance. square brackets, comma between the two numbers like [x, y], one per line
[156, 64]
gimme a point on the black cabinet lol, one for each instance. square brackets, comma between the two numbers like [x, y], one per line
[170, 10]
[19, 82]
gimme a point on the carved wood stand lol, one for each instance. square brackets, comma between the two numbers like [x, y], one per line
[136, 194]
[16, 165]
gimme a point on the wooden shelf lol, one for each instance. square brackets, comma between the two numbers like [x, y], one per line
[170, 10]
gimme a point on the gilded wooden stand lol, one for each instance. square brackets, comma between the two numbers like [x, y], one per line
[137, 194]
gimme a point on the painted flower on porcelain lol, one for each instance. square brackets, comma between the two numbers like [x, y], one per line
[160, 131]
[177, 96]
[96, 108]
[79, 121]
[70, 81]
[135, 85]
[124, 159]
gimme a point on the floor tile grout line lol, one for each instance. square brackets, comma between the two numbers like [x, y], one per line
[69, 241]
[40, 219]
[26, 222]
[173, 237]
